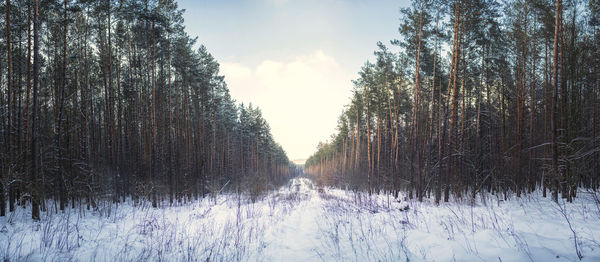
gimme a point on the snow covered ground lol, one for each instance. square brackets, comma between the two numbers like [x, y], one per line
[301, 223]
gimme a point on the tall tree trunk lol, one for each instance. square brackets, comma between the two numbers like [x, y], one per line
[547, 102]
[438, 189]
[27, 115]
[369, 155]
[555, 172]
[35, 199]
[3, 180]
[415, 122]
[153, 123]
[170, 122]
[532, 175]
[454, 104]
[59, 121]
[490, 121]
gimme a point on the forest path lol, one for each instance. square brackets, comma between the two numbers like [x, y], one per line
[297, 236]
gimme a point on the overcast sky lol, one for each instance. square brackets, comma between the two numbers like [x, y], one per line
[293, 58]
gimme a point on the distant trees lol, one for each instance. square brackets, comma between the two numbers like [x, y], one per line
[513, 107]
[111, 101]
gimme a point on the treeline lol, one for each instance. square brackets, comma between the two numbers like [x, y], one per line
[103, 100]
[495, 96]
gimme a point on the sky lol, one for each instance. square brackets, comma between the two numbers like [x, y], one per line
[295, 59]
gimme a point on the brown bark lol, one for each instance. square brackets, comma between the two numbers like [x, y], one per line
[532, 176]
[369, 166]
[554, 127]
[9, 124]
[415, 122]
[454, 104]
[35, 199]
[27, 97]
[438, 189]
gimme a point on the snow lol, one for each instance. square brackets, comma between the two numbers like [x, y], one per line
[300, 222]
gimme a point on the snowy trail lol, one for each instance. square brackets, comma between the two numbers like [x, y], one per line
[296, 236]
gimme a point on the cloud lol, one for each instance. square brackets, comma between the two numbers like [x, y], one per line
[235, 70]
[301, 97]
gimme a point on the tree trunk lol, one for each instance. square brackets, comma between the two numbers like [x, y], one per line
[3, 180]
[35, 200]
[454, 104]
[532, 175]
[415, 122]
[554, 127]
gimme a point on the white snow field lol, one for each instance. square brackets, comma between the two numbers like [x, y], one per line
[302, 223]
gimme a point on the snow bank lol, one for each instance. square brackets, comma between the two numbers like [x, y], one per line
[532, 228]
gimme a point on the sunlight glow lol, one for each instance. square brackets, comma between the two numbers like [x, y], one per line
[293, 93]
